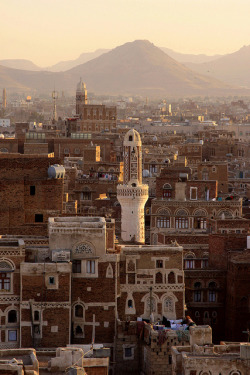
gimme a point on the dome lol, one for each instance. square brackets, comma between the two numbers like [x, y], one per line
[132, 138]
[81, 86]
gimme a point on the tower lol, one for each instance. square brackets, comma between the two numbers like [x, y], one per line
[54, 97]
[132, 195]
[4, 98]
[81, 95]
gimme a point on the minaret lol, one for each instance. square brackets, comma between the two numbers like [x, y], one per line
[54, 97]
[132, 195]
[81, 96]
[4, 99]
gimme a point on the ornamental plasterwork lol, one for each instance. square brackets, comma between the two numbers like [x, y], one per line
[83, 249]
[4, 299]
[132, 288]
[47, 305]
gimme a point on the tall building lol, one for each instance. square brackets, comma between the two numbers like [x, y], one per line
[90, 118]
[132, 195]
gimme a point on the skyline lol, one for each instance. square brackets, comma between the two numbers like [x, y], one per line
[47, 32]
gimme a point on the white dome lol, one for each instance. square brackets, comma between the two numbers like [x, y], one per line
[132, 138]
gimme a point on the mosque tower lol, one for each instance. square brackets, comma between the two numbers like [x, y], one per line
[81, 96]
[132, 195]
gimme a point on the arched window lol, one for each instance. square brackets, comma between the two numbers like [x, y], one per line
[212, 286]
[168, 305]
[171, 278]
[197, 292]
[130, 303]
[78, 311]
[190, 261]
[159, 278]
[167, 191]
[181, 219]
[12, 316]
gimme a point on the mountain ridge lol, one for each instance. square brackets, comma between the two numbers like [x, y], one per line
[135, 68]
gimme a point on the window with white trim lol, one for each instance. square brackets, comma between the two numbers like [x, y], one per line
[90, 266]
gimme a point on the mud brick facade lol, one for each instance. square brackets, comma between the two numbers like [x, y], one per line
[151, 281]
[29, 197]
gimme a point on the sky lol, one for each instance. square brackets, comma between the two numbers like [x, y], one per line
[49, 31]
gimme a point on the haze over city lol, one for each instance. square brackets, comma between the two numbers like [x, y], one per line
[46, 32]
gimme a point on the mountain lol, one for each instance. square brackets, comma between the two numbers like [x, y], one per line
[140, 67]
[20, 64]
[62, 66]
[135, 68]
[189, 58]
[233, 68]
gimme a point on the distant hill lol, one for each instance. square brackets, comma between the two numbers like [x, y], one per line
[233, 68]
[136, 68]
[140, 67]
[62, 66]
[20, 64]
[187, 57]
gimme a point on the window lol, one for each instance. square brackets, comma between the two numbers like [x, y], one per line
[200, 223]
[130, 138]
[12, 335]
[130, 303]
[171, 278]
[38, 218]
[36, 316]
[163, 222]
[91, 266]
[51, 280]
[86, 196]
[12, 316]
[168, 305]
[212, 291]
[32, 190]
[167, 191]
[212, 296]
[181, 223]
[128, 352]
[78, 311]
[205, 176]
[159, 263]
[193, 193]
[189, 264]
[197, 292]
[204, 263]
[79, 331]
[5, 281]
[77, 266]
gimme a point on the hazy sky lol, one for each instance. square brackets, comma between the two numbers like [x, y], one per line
[48, 31]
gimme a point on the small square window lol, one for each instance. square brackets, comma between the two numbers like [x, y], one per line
[159, 263]
[51, 280]
[38, 218]
[32, 190]
[12, 335]
[128, 352]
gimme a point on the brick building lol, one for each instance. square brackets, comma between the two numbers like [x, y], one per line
[28, 195]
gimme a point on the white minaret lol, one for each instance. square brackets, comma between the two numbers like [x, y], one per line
[132, 195]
